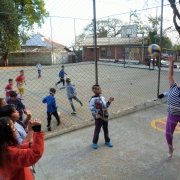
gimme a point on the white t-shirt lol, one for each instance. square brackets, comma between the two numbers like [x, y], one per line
[39, 67]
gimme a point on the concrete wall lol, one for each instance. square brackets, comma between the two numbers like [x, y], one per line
[116, 53]
[28, 59]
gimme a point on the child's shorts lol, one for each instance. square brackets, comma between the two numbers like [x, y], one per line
[21, 90]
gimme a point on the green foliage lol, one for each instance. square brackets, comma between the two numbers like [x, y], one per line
[9, 23]
[15, 14]
[176, 47]
[152, 35]
[24, 36]
[152, 38]
[31, 11]
[105, 28]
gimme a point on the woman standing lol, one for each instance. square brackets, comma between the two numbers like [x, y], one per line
[173, 102]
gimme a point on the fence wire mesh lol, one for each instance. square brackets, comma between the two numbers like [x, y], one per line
[125, 69]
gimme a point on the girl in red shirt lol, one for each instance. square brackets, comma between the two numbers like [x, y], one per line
[15, 160]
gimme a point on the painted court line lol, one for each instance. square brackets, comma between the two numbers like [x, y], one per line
[154, 124]
[57, 106]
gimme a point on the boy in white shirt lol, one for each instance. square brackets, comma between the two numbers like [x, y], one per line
[39, 68]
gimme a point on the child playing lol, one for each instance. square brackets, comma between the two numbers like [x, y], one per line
[20, 107]
[9, 88]
[71, 94]
[39, 68]
[61, 76]
[24, 130]
[2, 102]
[51, 108]
[98, 107]
[20, 83]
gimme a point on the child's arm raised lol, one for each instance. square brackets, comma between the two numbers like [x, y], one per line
[111, 99]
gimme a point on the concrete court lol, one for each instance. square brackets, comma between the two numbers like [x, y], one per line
[139, 152]
[129, 86]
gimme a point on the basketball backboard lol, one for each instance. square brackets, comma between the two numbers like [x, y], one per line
[129, 31]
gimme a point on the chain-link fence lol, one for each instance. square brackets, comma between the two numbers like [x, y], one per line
[124, 70]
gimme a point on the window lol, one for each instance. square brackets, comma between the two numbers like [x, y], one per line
[103, 51]
[108, 53]
[85, 49]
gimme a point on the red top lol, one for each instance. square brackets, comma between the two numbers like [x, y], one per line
[17, 168]
[20, 80]
[8, 89]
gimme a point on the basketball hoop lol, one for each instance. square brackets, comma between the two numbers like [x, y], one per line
[129, 31]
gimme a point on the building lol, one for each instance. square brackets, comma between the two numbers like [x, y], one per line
[41, 49]
[110, 48]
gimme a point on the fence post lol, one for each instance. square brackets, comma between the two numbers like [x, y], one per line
[95, 41]
[52, 43]
[159, 64]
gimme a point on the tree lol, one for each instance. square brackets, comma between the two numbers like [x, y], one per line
[176, 47]
[176, 14]
[110, 27]
[9, 23]
[152, 35]
[14, 15]
[105, 28]
[24, 36]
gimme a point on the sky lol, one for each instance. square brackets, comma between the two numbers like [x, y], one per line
[69, 17]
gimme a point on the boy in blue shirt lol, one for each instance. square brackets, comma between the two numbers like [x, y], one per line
[51, 108]
[98, 107]
[20, 107]
[61, 76]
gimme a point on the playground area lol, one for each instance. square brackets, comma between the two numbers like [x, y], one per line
[139, 152]
[129, 87]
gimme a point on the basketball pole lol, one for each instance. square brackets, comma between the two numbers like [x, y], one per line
[95, 42]
[159, 64]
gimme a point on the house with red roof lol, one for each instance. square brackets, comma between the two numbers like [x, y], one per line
[40, 49]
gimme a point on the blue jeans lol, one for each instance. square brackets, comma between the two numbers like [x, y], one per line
[39, 72]
[71, 103]
[61, 80]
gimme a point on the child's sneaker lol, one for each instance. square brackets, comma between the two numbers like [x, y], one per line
[160, 96]
[81, 103]
[74, 112]
[109, 144]
[49, 128]
[58, 123]
[95, 146]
